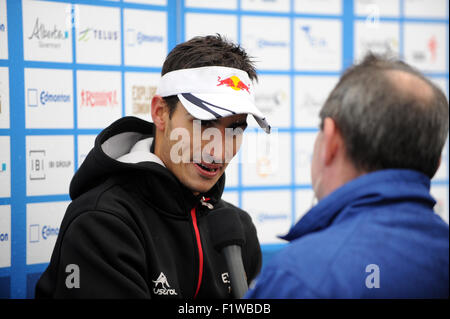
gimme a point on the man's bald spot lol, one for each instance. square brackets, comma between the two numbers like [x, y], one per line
[410, 85]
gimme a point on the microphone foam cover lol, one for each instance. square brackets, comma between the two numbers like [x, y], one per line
[225, 228]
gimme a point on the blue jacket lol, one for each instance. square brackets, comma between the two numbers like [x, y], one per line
[375, 237]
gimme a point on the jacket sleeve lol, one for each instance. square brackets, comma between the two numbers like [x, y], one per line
[109, 256]
[274, 282]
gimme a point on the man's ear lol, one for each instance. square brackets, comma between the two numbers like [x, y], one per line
[160, 112]
[332, 140]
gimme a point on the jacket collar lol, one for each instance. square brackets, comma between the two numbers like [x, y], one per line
[165, 192]
[375, 187]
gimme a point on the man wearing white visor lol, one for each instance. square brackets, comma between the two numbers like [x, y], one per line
[139, 224]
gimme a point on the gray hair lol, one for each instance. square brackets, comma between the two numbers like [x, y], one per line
[385, 123]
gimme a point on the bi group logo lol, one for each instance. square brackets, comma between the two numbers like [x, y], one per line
[50, 164]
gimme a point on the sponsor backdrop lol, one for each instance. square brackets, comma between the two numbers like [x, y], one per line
[70, 68]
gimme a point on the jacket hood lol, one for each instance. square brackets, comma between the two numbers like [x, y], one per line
[126, 146]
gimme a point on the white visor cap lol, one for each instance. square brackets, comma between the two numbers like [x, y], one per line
[212, 92]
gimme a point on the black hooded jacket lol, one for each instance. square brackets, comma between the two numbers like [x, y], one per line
[134, 231]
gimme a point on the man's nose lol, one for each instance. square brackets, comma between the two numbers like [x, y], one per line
[214, 149]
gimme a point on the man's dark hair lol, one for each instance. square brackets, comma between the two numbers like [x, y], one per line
[211, 50]
[390, 116]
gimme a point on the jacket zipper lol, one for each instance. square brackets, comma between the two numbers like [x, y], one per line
[200, 250]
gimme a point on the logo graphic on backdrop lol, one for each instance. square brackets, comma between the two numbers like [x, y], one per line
[49, 98]
[40, 164]
[136, 38]
[37, 164]
[42, 227]
[270, 102]
[4, 97]
[99, 98]
[382, 39]
[429, 50]
[145, 35]
[311, 93]
[50, 164]
[48, 35]
[271, 212]
[5, 171]
[141, 99]
[140, 87]
[3, 31]
[389, 44]
[264, 217]
[314, 40]
[43, 97]
[271, 45]
[42, 232]
[5, 236]
[97, 34]
[318, 44]
[425, 46]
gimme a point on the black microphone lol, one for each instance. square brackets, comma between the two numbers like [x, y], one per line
[227, 235]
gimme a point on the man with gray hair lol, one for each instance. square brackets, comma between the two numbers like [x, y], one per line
[373, 233]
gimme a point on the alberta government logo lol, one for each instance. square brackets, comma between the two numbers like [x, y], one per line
[48, 37]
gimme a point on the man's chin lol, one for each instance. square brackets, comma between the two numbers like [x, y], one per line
[203, 188]
[200, 185]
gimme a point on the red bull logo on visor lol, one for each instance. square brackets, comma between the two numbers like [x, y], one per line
[234, 82]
